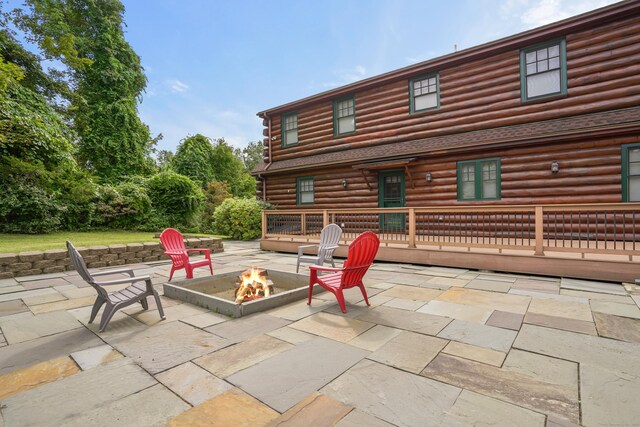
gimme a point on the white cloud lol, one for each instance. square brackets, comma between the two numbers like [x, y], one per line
[533, 13]
[176, 86]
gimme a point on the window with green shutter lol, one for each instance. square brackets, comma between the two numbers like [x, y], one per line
[479, 179]
[344, 116]
[289, 129]
[304, 190]
[631, 173]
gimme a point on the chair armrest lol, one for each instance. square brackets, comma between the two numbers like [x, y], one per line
[198, 250]
[302, 248]
[175, 252]
[129, 271]
[319, 268]
[124, 280]
[330, 247]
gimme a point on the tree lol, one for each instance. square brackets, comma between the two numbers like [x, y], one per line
[250, 155]
[230, 169]
[106, 75]
[194, 158]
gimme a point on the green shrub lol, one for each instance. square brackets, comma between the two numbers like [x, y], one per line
[25, 207]
[239, 218]
[215, 193]
[125, 206]
[176, 200]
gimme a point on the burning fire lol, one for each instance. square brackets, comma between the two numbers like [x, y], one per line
[253, 284]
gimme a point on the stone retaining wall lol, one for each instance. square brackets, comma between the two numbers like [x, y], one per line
[57, 261]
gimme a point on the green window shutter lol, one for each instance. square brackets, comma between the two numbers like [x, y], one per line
[424, 93]
[304, 190]
[543, 70]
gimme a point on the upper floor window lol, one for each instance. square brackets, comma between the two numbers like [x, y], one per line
[479, 179]
[344, 116]
[631, 173]
[543, 70]
[289, 129]
[424, 93]
[304, 190]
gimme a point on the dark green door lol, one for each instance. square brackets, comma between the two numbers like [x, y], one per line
[391, 195]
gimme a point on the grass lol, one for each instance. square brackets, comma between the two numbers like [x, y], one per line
[40, 242]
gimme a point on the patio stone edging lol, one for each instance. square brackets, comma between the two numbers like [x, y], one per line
[57, 260]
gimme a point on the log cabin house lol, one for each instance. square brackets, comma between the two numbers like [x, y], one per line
[521, 154]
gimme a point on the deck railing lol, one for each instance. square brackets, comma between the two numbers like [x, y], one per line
[595, 228]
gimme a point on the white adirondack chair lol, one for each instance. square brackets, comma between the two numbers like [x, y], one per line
[329, 238]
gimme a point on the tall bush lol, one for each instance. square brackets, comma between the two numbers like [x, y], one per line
[239, 218]
[25, 207]
[176, 200]
[125, 206]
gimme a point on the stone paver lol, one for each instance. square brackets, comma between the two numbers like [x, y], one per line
[232, 408]
[44, 299]
[616, 327]
[392, 395]
[34, 376]
[375, 337]
[276, 381]
[53, 403]
[617, 309]
[153, 406]
[481, 335]
[568, 309]
[506, 320]
[456, 311]
[412, 292]
[609, 397]
[547, 369]
[475, 409]
[358, 418]
[403, 304]
[232, 359]
[300, 309]
[164, 346]
[563, 323]
[331, 326]
[7, 308]
[473, 352]
[20, 330]
[592, 286]
[44, 283]
[315, 410]
[401, 319]
[204, 320]
[92, 357]
[291, 335]
[247, 327]
[448, 281]
[192, 383]
[63, 305]
[489, 300]
[516, 387]
[409, 351]
[489, 285]
[537, 285]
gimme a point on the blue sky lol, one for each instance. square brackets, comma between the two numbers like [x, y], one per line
[212, 65]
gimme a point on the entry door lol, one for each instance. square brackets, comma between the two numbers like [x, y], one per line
[391, 195]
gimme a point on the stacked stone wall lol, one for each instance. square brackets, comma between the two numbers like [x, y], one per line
[57, 260]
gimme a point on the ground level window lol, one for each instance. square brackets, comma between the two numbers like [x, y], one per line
[479, 179]
[304, 191]
[631, 173]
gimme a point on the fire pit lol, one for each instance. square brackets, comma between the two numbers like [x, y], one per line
[239, 293]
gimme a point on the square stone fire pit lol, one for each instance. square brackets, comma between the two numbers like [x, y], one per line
[217, 292]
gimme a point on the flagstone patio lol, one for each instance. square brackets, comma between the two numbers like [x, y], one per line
[437, 347]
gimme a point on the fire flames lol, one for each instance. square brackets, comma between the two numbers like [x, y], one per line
[253, 284]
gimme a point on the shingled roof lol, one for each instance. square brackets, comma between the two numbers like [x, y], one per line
[583, 126]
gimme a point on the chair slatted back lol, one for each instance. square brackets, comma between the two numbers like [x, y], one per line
[81, 268]
[362, 252]
[172, 241]
[330, 236]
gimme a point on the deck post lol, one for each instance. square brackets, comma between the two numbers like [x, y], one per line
[539, 227]
[264, 224]
[303, 223]
[412, 228]
[325, 218]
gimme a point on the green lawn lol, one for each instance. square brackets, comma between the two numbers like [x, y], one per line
[39, 242]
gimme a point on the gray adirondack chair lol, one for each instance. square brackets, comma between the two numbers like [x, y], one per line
[113, 302]
[329, 238]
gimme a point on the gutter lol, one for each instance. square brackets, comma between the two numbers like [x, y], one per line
[269, 157]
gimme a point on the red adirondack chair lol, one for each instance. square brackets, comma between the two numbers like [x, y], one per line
[174, 248]
[362, 252]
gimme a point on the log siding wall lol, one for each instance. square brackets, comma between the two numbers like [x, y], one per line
[590, 172]
[603, 72]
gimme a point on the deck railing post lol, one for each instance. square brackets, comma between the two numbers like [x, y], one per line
[303, 223]
[325, 218]
[412, 228]
[539, 228]
[264, 224]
